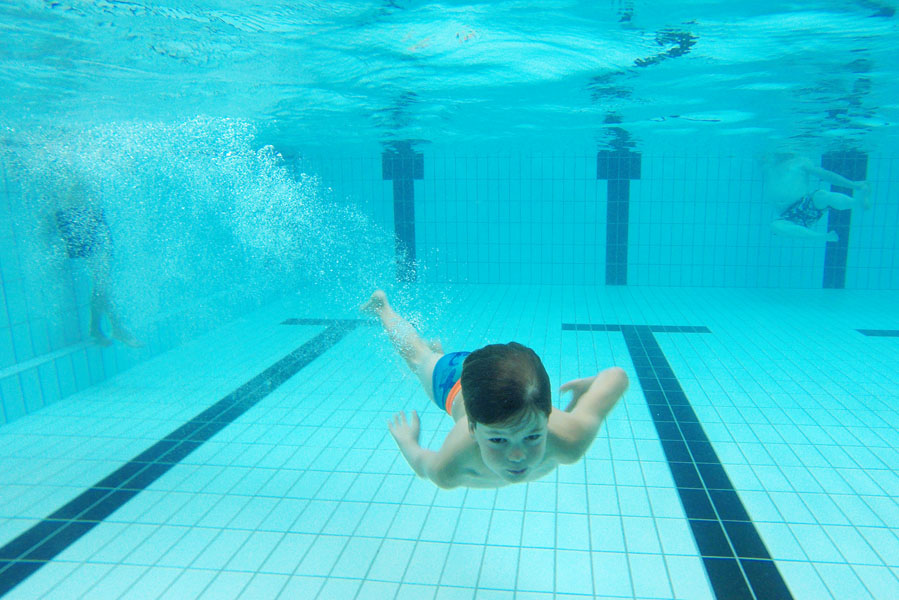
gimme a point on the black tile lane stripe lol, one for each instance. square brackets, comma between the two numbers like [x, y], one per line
[735, 557]
[402, 164]
[35, 547]
[618, 167]
[852, 165]
[879, 332]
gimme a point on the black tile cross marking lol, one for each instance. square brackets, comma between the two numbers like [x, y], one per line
[39, 545]
[735, 557]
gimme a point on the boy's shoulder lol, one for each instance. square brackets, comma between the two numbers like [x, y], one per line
[458, 458]
[568, 439]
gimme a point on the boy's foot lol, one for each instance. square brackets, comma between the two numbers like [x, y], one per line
[832, 236]
[436, 346]
[374, 305]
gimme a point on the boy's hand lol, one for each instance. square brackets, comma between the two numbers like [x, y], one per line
[577, 387]
[404, 432]
[406, 435]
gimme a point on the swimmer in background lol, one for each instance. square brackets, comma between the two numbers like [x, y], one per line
[792, 185]
[506, 429]
[82, 226]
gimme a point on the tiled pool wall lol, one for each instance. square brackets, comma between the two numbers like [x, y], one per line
[690, 221]
[589, 219]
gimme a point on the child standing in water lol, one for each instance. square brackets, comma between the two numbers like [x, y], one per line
[81, 223]
[506, 429]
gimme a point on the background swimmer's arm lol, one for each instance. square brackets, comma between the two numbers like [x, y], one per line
[593, 398]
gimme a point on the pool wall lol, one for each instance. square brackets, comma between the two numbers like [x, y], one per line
[697, 221]
[687, 221]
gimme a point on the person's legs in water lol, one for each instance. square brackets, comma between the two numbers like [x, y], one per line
[99, 302]
[419, 355]
[826, 199]
[784, 227]
[823, 200]
[101, 305]
[798, 219]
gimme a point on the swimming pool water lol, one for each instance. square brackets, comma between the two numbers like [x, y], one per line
[582, 179]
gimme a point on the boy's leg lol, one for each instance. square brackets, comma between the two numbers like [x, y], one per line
[419, 356]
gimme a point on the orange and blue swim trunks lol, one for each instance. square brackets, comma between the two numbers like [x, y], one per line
[447, 379]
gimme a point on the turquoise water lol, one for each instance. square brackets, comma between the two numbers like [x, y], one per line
[262, 167]
[341, 75]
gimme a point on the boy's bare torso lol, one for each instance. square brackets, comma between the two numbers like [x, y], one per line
[467, 467]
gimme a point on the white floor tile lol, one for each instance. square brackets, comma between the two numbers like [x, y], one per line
[306, 495]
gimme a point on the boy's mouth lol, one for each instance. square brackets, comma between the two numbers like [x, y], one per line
[517, 472]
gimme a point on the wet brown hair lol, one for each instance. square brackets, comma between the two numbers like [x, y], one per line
[501, 381]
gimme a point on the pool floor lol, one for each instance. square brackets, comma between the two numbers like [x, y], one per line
[754, 456]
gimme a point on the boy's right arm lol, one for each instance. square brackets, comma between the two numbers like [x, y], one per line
[427, 464]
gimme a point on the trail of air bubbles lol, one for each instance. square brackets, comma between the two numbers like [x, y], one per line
[201, 217]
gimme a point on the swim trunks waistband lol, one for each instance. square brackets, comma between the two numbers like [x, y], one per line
[457, 387]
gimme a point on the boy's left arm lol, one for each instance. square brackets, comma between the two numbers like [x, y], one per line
[593, 398]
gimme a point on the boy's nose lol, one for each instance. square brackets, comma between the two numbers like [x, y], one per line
[516, 455]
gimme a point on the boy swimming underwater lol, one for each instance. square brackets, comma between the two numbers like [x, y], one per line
[506, 429]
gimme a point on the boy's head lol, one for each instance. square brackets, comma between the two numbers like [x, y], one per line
[502, 382]
[508, 401]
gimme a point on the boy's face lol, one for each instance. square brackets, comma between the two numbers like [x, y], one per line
[512, 449]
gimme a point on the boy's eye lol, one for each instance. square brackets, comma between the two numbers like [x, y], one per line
[534, 437]
[497, 440]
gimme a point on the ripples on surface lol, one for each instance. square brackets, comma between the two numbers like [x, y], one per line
[342, 73]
